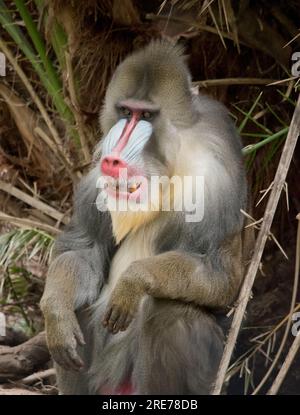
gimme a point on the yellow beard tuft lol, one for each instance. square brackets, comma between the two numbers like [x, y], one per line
[125, 222]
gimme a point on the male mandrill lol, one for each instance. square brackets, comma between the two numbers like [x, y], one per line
[132, 298]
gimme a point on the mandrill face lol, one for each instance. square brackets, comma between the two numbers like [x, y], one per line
[137, 149]
[140, 120]
[130, 157]
[144, 127]
[123, 155]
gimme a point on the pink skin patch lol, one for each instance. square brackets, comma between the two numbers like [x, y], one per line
[117, 194]
[125, 389]
[137, 196]
[112, 164]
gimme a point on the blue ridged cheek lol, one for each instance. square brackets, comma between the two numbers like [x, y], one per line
[139, 137]
[111, 140]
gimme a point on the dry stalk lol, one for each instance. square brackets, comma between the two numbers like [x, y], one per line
[296, 343]
[245, 292]
[49, 210]
[59, 145]
[233, 81]
[75, 108]
[22, 222]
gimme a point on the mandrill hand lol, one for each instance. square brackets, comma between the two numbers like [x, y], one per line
[124, 303]
[63, 337]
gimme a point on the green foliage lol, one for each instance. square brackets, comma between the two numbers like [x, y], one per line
[39, 58]
[18, 243]
[16, 282]
[265, 134]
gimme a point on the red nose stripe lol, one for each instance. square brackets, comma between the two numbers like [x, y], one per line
[126, 133]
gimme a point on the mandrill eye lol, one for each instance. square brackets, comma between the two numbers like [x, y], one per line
[147, 115]
[125, 112]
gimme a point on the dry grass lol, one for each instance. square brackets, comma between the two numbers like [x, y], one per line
[237, 53]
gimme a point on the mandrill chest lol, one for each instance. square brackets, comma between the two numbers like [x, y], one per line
[136, 246]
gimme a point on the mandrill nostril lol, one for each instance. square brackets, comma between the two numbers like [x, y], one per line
[111, 166]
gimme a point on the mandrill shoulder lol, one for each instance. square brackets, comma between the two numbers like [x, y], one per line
[214, 119]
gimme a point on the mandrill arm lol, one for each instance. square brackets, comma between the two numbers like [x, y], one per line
[207, 280]
[66, 291]
[76, 274]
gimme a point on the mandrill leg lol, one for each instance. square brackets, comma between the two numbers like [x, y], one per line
[70, 382]
[180, 350]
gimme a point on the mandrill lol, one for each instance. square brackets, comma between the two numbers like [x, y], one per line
[134, 298]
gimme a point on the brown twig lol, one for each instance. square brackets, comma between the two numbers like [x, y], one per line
[244, 296]
[285, 366]
[233, 81]
[236, 366]
[192, 23]
[296, 343]
[38, 376]
[18, 391]
[22, 222]
[60, 149]
[19, 361]
[287, 328]
[49, 210]
[75, 108]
